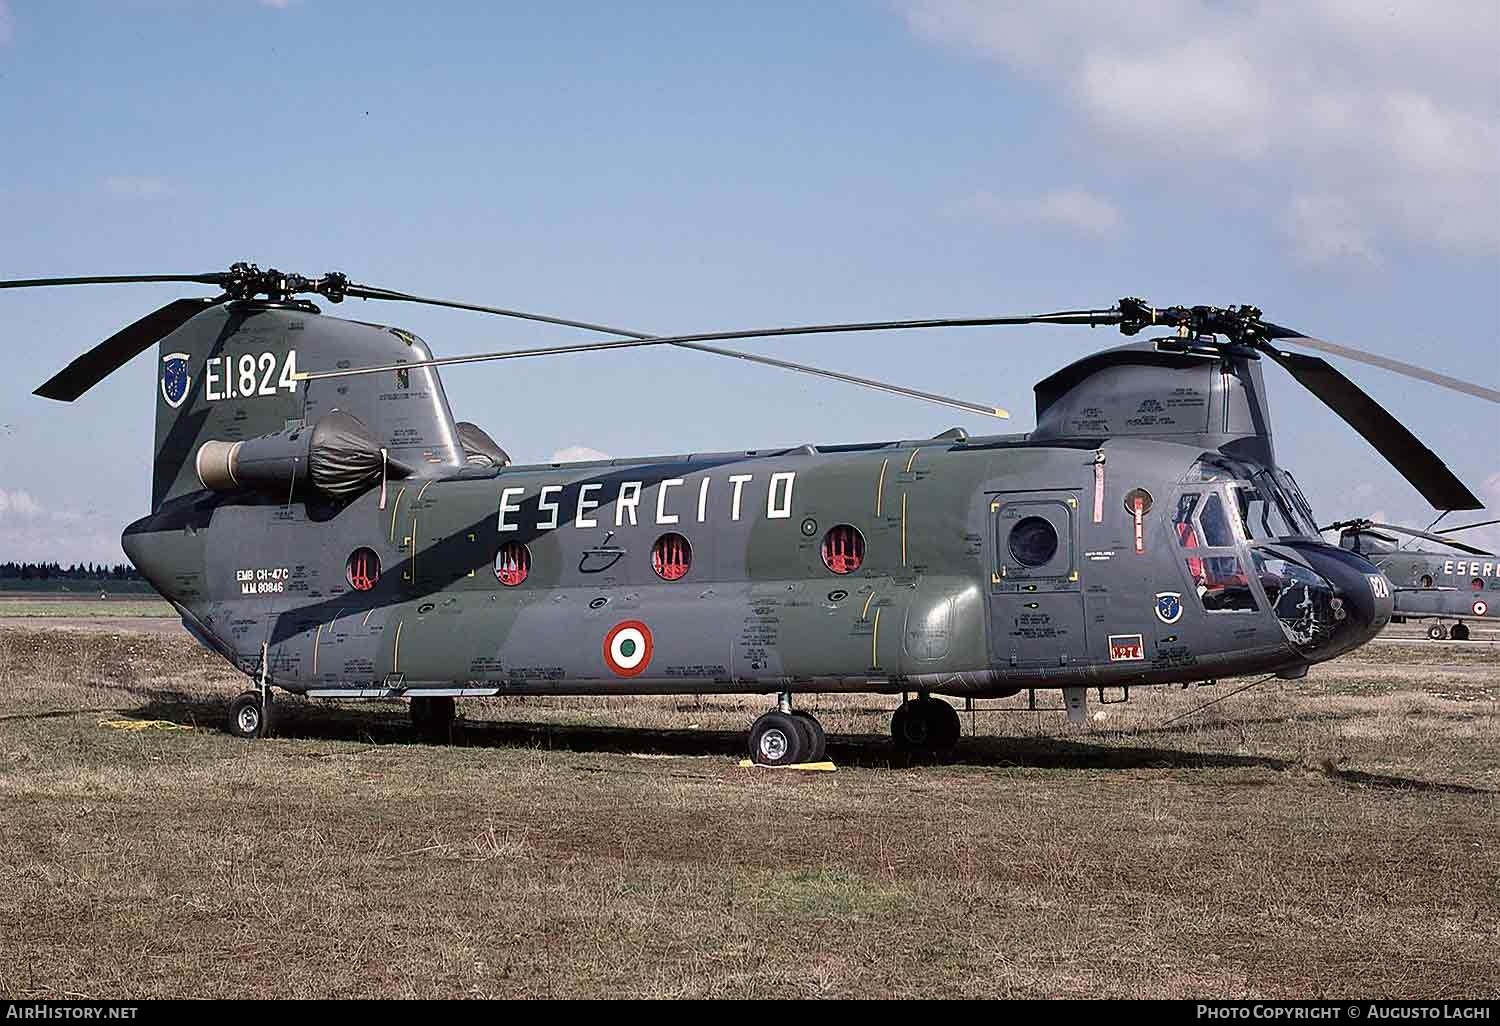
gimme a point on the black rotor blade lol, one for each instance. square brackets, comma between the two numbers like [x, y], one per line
[216, 278]
[1402, 449]
[117, 350]
[1275, 331]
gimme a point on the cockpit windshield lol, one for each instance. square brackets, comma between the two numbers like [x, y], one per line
[1267, 502]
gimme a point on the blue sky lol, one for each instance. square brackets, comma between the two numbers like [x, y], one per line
[679, 167]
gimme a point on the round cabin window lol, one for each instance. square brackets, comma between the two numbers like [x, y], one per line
[671, 557]
[1426, 580]
[363, 569]
[1477, 584]
[512, 564]
[1033, 541]
[843, 549]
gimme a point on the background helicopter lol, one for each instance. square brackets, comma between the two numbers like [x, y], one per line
[321, 520]
[1461, 583]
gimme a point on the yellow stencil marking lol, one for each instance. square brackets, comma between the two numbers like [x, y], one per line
[912, 460]
[317, 639]
[865, 612]
[394, 507]
[880, 487]
[903, 528]
[366, 621]
[396, 653]
[875, 641]
[423, 491]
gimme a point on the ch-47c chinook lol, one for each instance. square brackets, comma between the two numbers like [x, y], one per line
[321, 520]
[1454, 582]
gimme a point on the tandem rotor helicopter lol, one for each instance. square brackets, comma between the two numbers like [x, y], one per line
[321, 520]
[1461, 583]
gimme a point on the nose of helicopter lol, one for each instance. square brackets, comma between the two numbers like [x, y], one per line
[1340, 604]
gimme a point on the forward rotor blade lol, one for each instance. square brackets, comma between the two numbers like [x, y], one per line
[114, 279]
[1402, 449]
[1275, 331]
[117, 350]
[370, 292]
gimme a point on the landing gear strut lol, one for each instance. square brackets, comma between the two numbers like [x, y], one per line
[249, 716]
[925, 726]
[433, 717]
[785, 737]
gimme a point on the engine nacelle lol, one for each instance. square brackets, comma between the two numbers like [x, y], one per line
[337, 456]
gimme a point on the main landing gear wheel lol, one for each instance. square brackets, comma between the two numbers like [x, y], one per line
[1437, 632]
[817, 740]
[433, 717]
[779, 739]
[927, 725]
[1460, 632]
[247, 717]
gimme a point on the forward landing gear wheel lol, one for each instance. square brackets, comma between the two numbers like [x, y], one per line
[927, 725]
[433, 717]
[1437, 632]
[817, 740]
[247, 718]
[778, 739]
[1460, 632]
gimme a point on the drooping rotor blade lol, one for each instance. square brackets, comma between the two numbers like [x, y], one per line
[1467, 527]
[368, 292]
[216, 278]
[1402, 449]
[1276, 331]
[637, 340]
[114, 352]
[1373, 525]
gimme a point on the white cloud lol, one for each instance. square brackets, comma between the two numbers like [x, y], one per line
[143, 186]
[1365, 122]
[1484, 537]
[1073, 210]
[30, 532]
[578, 454]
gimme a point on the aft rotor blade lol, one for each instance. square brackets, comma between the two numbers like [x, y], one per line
[1460, 546]
[1467, 527]
[367, 292]
[1276, 331]
[121, 347]
[113, 279]
[1402, 449]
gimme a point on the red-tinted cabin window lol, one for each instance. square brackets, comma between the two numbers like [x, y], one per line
[363, 569]
[1477, 584]
[512, 564]
[843, 549]
[671, 557]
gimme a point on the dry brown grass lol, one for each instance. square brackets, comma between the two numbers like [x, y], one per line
[1334, 836]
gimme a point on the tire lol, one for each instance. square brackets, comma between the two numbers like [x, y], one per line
[910, 730]
[1437, 632]
[247, 719]
[817, 740]
[777, 739]
[1460, 632]
[433, 717]
[943, 725]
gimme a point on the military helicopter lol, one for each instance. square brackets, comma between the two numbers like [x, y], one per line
[321, 520]
[1461, 583]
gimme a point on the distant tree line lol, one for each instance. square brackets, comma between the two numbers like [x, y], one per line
[81, 572]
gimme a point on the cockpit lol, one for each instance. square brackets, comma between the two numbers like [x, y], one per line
[1248, 542]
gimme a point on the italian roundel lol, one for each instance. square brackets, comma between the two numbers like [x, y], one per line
[1481, 607]
[627, 648]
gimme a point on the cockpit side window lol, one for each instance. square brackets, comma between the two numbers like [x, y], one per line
[1260, 518]
[1213, 522]
[1182, 521]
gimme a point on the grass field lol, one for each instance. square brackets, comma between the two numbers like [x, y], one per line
[1329, 837]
